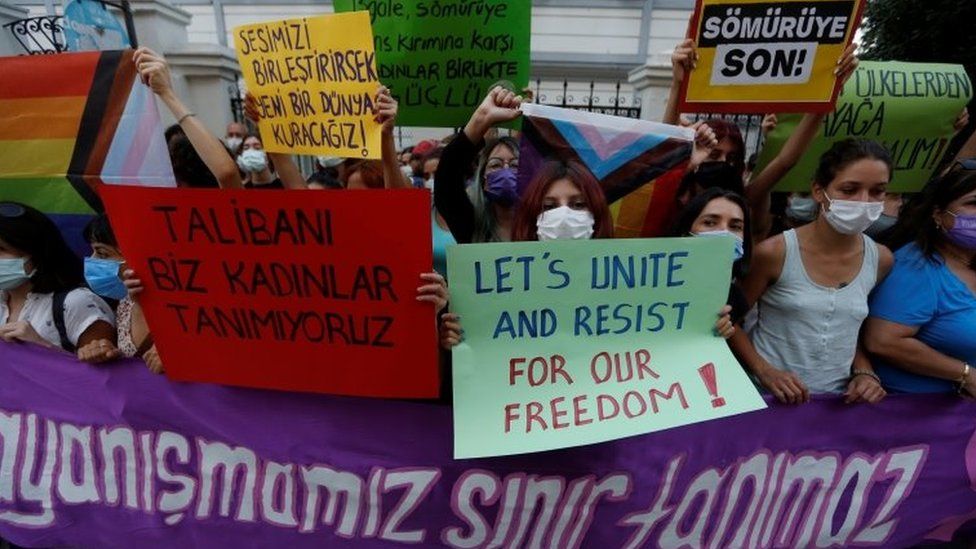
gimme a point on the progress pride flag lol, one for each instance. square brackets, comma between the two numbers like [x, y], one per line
[113, 456]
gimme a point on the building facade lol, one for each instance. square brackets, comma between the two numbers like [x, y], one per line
[604, 55]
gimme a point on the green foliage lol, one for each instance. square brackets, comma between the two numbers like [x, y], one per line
[934, 31]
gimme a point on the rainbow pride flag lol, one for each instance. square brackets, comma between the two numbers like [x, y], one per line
[71, 122]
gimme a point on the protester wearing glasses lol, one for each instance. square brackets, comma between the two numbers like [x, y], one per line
[43, 300]
[812, 285]
[484, 212]
[923, 316]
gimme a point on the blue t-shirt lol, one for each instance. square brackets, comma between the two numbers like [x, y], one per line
[923, 293]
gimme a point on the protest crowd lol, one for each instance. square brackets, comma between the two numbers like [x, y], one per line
[810, 261]
[842, 289]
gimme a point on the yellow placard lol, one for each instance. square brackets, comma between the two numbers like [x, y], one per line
[315, 83]
[776, 56]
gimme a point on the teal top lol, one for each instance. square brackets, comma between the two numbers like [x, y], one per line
[442, 238]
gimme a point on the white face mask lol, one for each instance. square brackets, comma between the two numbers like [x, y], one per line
[329, 161]
[253, 160]
[429, 184]
[233, 142]
[852, 216]
[739, 243]
[565, 223]
[13, 273]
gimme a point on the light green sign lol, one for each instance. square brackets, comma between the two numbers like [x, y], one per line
[909, 107]
[577, 342]
[440, 57]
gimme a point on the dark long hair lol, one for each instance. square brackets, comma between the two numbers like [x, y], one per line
[687, 217]
[189, 169]
[98, 230]
[526, 218]
[34, 234]
[916, 222]
[846, 152]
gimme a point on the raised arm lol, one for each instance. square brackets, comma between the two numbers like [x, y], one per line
[285, 166]
[155, 73]
[684, 59]
[386, 113]
[450, 197]
[762, 184]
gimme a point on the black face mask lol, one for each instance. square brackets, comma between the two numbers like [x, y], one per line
[715, 174]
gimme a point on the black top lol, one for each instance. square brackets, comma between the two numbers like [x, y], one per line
[450, 197]
[276, 184]
[740, 305]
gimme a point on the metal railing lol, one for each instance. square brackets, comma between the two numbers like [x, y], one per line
[749, 124]
[45, 34]
[39, 35]
[618, 105]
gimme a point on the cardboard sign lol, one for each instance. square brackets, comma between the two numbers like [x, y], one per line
[908, 107]
[291, 290]
[315, 82]
[575, 342]
[776, 56]
[441, 58]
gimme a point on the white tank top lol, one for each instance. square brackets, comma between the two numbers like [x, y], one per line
[812, 330]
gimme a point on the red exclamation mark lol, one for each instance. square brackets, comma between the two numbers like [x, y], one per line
[707, 373]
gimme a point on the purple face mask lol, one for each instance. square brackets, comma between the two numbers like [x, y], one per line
[502, 187]
[963, 231]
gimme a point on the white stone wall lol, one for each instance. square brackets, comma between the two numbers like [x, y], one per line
[579, 43]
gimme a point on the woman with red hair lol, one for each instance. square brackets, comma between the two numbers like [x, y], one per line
[563, 202]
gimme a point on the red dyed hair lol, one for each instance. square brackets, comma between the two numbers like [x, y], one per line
[531, 206]
[370, 171]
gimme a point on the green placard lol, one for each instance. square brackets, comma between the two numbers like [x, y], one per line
[440, 58]
[577, 342]
[909, 107]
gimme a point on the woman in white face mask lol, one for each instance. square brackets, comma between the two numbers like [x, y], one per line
[563, 202]
[253, 162]
[812, 285]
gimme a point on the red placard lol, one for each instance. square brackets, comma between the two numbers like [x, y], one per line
[303, 291]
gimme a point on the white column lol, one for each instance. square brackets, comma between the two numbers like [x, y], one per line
[202, 72]
[652, 82]
[206, 73]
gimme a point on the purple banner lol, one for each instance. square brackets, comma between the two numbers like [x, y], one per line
[116, 457]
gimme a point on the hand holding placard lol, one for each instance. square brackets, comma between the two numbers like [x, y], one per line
[314, 81]
[295, 291]
[575, 342]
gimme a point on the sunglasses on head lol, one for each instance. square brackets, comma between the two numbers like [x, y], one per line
[11, 209]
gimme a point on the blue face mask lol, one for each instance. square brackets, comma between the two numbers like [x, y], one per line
[739, 244]
[103, 277]
[13, 273]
